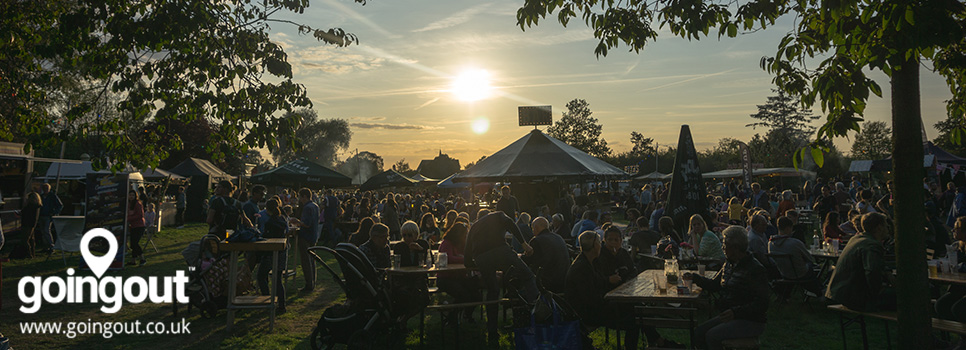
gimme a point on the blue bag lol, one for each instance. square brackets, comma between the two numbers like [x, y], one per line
[558, 335]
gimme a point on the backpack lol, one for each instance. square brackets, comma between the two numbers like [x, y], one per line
[228, 217]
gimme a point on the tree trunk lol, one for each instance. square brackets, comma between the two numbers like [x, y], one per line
[907, 154]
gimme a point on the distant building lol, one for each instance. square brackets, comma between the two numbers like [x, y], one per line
[440, 167]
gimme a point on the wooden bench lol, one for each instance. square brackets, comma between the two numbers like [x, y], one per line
[844, 321]
[442, 308]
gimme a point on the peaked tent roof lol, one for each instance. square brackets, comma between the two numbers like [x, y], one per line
[388, 178]
[421, 178]
[538, 155]
[199, 167]
[448, 183]
[301, 172]
[159, 173]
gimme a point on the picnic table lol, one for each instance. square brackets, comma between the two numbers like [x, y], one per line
[424, 270]
[949, 277]
[641, 289]
[273, 245]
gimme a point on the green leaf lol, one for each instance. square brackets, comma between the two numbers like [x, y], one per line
[910, 15]
[818, 157]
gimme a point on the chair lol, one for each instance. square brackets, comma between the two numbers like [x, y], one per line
[668, 317]
[785, 286]
[149, 235]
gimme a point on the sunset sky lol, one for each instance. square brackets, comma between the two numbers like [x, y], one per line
[395, 88]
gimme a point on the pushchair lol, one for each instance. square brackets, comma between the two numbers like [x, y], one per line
[368, 307]
[202, 258]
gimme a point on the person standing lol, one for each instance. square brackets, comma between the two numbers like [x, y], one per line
[250, 208]
[508, 204]
[224, 212]
[331, 213]
[29, 217]
[275, 227]
[135, 223]
[487, 249]
[179, 204]
[308, 235]
[51, 207]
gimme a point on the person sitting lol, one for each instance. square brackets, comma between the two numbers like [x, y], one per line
[412, 249]
[585, 289]
[377, 247]
[641, 241]
[656, 216]
[952, 305]
[667, 247]
[706, 243]
[857, 281]
[523, 223]
[586, 223]
[458, 284]
[799, 265]
[550, 257]
[614, 258]
[799, 230]
[830, 228]
[735, 211]
[743, 294]
[362, 234]
[558, 225]
[850, 227]
[428, 229]
[758, 244]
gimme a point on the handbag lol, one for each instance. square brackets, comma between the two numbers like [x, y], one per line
[557, 335]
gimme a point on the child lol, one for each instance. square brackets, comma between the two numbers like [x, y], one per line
[735, 211]
[151, 219]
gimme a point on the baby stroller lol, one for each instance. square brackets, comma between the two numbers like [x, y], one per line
[368, 308]
[202, 258]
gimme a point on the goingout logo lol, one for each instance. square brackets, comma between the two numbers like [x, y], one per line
[72, 289]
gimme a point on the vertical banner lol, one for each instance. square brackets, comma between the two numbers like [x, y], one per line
[687, 195]
[746, 170]
[107, 209]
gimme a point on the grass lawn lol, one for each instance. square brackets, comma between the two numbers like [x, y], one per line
[793, 326]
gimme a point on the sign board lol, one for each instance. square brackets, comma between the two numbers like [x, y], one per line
[746, 169]
[687, 195]
[107, 209]
[535, 115]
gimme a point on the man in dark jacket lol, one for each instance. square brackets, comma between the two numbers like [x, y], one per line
[487, 249]
[585, 290]
[743, 293]
[860, 270]
[550, 256]
[51, 207]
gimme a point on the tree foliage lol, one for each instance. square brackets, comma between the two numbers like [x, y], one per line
[951, 135]
[319, 140]
[162, 59]
[873, 142]
[783, 115]
[579, 129]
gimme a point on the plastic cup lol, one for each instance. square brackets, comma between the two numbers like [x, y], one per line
[835, 245]
[933, 268]
[701, 270]
[396, 261]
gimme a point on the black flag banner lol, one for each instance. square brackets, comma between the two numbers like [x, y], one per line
[687, 195]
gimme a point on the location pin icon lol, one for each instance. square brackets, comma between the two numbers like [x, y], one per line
[98, 264]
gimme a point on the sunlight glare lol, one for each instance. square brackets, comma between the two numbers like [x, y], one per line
[472, 85]
[481, 125]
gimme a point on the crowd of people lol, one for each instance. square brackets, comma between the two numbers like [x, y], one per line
[574, 247]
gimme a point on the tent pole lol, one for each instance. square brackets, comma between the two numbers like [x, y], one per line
[63, 147]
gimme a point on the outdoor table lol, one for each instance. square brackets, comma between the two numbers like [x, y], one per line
[641, 289]
[949, 277]
[273, 245]
[417, 270]
[826, 260]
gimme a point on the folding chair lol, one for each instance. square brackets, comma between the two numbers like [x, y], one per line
[149, 236]
[789, 283]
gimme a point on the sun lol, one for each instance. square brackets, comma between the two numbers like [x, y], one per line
[472, 85]
[481, 125]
